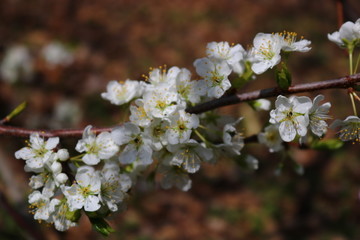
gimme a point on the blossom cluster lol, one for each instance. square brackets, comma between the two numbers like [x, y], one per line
[162, 136]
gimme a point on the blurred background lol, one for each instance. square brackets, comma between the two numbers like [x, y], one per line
[59, 56]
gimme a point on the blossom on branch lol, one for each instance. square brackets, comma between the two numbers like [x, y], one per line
[348, 35]
[95, 147]
[292, 115]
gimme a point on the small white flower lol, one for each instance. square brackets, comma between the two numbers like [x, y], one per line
[113, 188]
[161, 101]
[350, 128]
[159, 76]
[40, 205]
[318, 115]
[84, 193]
[292, 115]
[50, 178]
[233, 141]
[56, 53]
[181, 127]
[38, 153]
[290, 43]
[348, 35]
[138, 114]
[17, 64]
[233, 55]
[266, 52]
[252, 162]
[271, 138]
[174, 176]
[119, 93]
[215, 75]
[189, 90]
[156, 133]
[60, 209]
[96, 147]
[261, 104]
[189, 155]
[137, 147]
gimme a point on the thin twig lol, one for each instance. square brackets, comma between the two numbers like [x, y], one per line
[344, 82]
[24, 132]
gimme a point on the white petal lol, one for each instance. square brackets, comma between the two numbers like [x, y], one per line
[287, 131]
[91, 204]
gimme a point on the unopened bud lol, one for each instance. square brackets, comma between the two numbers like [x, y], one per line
[61, 178]
[56, 167]
[63, 154]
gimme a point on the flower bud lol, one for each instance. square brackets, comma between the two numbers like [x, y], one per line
[61, 178]
[56, 167]
[63, 154]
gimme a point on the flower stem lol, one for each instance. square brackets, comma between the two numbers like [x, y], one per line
[353, 103]
[77, 158]
[351, 61]
[357, 63]
[207, 143]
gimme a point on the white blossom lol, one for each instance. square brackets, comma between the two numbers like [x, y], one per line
[38, 153]
[119, 93]
[349, 128]
[56, 53]
[292, 115]
[348, 35]
[318, 115]
[261, 104]
[159, 76]
[266, 52]
[156, 133]
[161, 101]
[189, 155]
[113, 187]
[215, 75]
[233, 141]
[17, 64]
[290, 43]
[271, 138]
[60, 209]
[181, 127]
[96, 147]
[84, 193]
[173, 176]
[40, 205]
[138, 114]
[189, 90]
[233, 55]
[137, 147]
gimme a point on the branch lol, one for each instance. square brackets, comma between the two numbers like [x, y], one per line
[24, 132]
[344, 82]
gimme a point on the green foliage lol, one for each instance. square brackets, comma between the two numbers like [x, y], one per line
[329, 144]
[283, 77]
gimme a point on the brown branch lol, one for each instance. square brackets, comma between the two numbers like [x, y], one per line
[24, 132]
[340, 12]
[344, 82]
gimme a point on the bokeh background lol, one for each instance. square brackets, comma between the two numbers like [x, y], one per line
[103, 40]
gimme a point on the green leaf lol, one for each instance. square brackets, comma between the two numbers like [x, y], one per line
[73, 216]
[16, 111]
[101, 226]
[330, 144]
[283, 77]
[244, 78]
